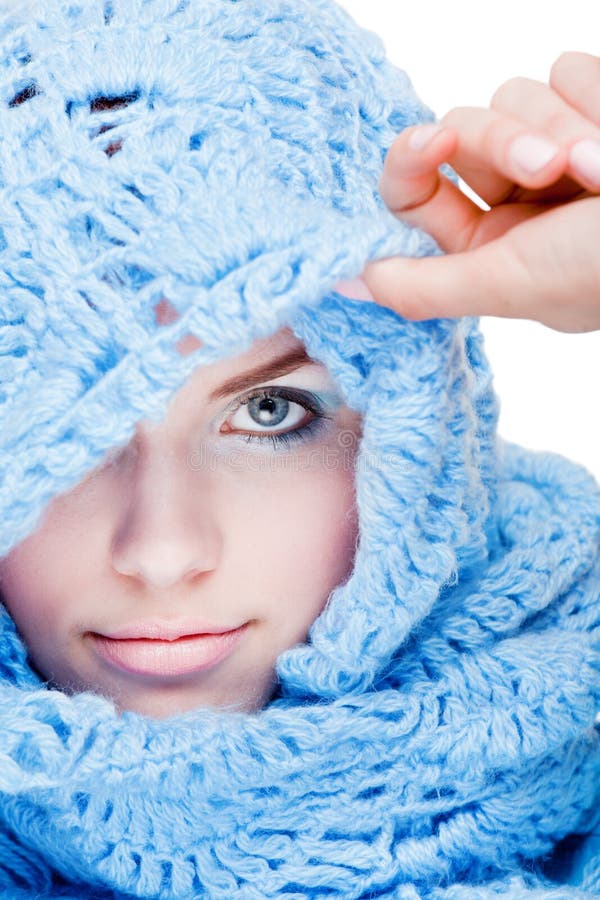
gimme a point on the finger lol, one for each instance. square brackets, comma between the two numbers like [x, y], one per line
[462, 284]
[530, 273]
[415, 191]
[497, 152]
[576, 78]
[542, 108]
[493, 280]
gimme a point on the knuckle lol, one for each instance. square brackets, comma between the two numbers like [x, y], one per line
[457, 115]
[509, 91]
[564, 64]
[492, 136]
[559, 122]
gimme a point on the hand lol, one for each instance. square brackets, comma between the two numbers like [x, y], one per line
[534, 157]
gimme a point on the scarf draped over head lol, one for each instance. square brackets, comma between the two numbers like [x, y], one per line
[435, 737]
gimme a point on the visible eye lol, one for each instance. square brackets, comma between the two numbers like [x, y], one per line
[269, 408]
[280, 416]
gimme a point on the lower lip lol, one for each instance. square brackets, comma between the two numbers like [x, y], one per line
[186, 655]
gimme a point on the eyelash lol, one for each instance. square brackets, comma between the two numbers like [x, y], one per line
[286, 438]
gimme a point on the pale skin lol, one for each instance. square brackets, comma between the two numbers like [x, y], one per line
[167, 530]
[202, 522]
[534, 157]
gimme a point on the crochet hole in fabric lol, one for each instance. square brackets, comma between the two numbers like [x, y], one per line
[165, 314]
[26, 93]
[101, 104]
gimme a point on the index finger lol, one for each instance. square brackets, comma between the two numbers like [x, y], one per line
[418, 193]
[576, 77]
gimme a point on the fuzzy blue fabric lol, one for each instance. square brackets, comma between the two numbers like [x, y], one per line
[435, 737]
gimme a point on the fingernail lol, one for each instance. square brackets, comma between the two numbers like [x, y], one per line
[532, 153]
[354, 288]
[423, 135]
[584, 157]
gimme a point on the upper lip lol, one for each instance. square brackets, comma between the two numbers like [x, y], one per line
[166, 631]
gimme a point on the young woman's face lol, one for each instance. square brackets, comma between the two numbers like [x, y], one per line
[174, 575]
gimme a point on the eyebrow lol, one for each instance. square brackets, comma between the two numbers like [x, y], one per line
[289, 362]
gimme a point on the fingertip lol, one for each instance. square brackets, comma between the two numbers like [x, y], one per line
[392, 284]
[419, 136]
[377, 276]
[354, 289]
[584, 161]
[420, 148]
[534, 160]
[437, 287]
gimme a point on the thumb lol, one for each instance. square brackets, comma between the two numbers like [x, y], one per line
[472, 283]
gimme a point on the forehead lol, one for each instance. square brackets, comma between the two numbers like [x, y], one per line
[282, 340]
[206, 383]
[261, 351]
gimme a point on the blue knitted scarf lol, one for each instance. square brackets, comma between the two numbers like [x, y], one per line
[435, 736]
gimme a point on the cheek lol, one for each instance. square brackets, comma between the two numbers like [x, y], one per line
[28, 593]
[325, 527]
[303, 529]
[40, 574]
[30, 581]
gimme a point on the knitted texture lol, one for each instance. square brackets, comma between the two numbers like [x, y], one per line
[435, 737]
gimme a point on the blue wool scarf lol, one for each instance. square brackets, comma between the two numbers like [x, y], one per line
[436, 736]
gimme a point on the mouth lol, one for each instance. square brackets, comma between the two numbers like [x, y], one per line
[167, 654]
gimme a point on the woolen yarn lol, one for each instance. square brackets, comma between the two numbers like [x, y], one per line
[436, 736]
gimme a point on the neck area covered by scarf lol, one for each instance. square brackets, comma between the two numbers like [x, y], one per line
[436, 736]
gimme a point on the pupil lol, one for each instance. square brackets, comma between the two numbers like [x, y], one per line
[268, 410]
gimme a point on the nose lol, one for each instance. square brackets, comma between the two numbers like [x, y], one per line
[167, 532]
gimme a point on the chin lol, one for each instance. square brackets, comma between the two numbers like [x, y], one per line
[159, 704]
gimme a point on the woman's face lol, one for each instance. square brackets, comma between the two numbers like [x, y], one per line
[174, 575]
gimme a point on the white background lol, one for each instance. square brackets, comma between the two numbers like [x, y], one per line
[456, 54]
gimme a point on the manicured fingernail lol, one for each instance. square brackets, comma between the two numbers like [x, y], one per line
[584, 157]
[423, 135]
[532, 153]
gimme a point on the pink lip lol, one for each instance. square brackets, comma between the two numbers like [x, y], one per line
[166, 631]
[167, 651]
